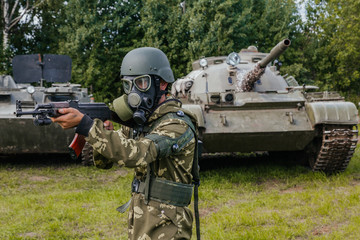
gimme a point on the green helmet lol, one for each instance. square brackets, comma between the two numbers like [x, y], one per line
[147, 60]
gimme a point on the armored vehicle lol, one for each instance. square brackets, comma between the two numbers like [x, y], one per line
[31, 73]
[243, 104]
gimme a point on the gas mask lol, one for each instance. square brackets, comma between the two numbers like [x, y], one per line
[142, 94]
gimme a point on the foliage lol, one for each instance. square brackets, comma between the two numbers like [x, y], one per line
[36, 31]
[345, 44]
[101, 34]
[333, 30]
[165, 27]
[212, 28]
[18, 22]
[44, 36]
[5, 67]
[97, 35]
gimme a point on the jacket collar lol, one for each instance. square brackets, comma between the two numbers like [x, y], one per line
[169, 105]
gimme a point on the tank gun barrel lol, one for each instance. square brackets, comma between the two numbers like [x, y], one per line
[279, 49]
[247, 83]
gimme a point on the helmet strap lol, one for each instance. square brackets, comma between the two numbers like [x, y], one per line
[159, 92]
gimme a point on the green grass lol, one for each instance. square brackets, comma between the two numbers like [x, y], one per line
[252, 198]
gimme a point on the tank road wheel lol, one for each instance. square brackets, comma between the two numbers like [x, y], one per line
[332, 150]
[87, 155]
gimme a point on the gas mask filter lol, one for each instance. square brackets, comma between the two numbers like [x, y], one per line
[122, 108]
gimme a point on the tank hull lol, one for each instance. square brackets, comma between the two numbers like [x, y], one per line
[252, 142]
[21, 136]
[256, 130]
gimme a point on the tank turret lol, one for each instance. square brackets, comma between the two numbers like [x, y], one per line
[254, 75]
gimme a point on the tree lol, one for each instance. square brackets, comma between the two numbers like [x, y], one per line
[12, 14]
[344, 44]
[217, 27]
[17, 22]
[334, 32]
[43, 35]
[97, 35]
[221, 26]
[165, 26]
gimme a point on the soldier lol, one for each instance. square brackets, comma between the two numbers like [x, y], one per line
[159, 142]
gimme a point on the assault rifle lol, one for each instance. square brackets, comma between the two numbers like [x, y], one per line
[43, 112]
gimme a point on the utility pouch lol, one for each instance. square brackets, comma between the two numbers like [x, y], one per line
[168, 192]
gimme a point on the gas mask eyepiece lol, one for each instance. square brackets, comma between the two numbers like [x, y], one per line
[142, 83]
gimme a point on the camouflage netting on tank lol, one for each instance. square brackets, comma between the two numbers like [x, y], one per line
[181, 85]
[250, 78]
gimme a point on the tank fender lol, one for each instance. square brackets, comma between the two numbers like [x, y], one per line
[197, 111]
[332, 113]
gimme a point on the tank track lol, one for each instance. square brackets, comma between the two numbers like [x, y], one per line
[337, 147]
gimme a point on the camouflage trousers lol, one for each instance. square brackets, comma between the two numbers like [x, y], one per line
[158, 220]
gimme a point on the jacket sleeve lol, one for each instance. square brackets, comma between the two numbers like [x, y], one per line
[114, 146]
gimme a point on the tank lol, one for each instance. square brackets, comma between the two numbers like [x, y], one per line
[30, 74]
[243, 104]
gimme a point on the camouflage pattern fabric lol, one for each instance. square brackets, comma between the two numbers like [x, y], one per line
[155, 220]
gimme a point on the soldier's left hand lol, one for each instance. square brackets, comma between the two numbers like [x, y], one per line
[108, 125]
[70, 117]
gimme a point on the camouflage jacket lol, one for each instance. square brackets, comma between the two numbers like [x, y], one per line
[156, 219]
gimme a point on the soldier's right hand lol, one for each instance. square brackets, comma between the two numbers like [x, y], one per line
[70, 117]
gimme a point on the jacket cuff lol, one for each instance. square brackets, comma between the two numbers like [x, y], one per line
[84, 126]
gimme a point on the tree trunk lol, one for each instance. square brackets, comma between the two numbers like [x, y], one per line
[6, 29]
